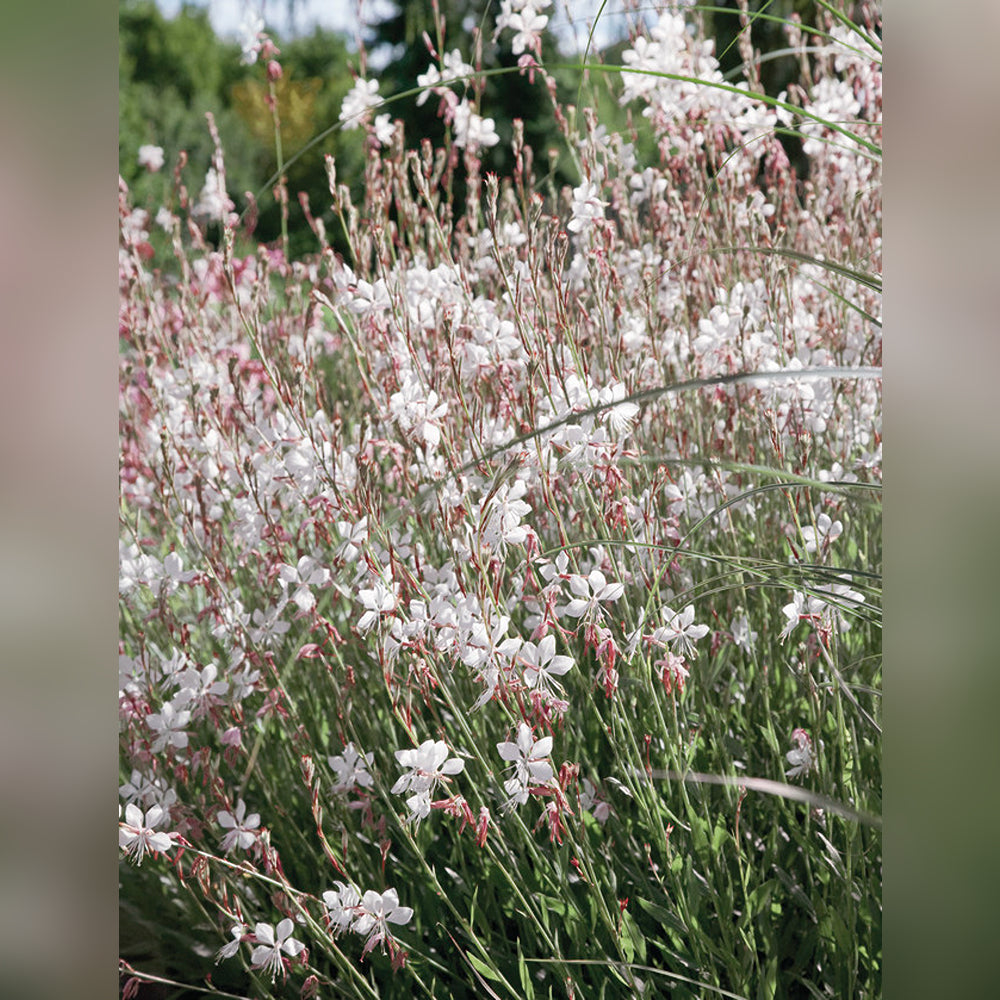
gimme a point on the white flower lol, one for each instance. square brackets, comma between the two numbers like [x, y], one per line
[540, 662]
[231, 947]
[528, 25]
[199, 690]
[473, 131]
[681, 629]
[587, 207]
[351, 769]
[269, 623]
[426, 766]
[378, 600]
[137, 835]
[249, 31]
[743, 636]
[801, 755]
[500, 516]
[151, 157]
[377, 912]
[169, 725]
[267, 954]
[242, 832]
[801, 609]
[362, 96]
[427, 80]
[366, 297]
[165, 219]
[825, 532]
[590, 591]
[592, 803]
[343, 906]
[148, 791]
[213, 202]
[454, 66]
[305, 574]
[384, 129]
[530, 767]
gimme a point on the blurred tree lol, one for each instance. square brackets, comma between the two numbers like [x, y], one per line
[171, 71]
[399, 41]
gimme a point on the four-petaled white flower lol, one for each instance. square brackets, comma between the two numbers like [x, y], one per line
[825, 532]
[137, 835]
[378, 910]
[271, 943]
[384, 129]
[541, 663]
[590, 591]
[530, 767]
[351, 769]
[168, 724]
[428, 764]
[528, 25]
[680, 629]
[242, 828]
[473, 131]
[587, 207]
[743, 636]
[801, 755]
[500, 517]
[427, 81]
[343, 906]
[250, 31]
[303, 575]
[362, 96]
[378, 600]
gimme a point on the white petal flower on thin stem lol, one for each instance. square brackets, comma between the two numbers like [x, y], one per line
[231, 947]
[249, 31]
[530, 766]
[541, 663]
[343, 906]
[137, 835]
[351, 769]
[242, 829]
[378, 600]
[590, 591]
[151, 157]
[168, 724]
[681, 629]
[362, 96]
[825, 532]
[801, 755]
[426, 765]
[378, 910]
[473, 131]
[587, 207]
[271, 943]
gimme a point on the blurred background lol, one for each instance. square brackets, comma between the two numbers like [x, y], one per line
[179, 60]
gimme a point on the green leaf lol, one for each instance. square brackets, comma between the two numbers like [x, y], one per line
[663, 915]
[522, 968]
[769, 980]
[719, 836]
[633, 939]
[482, 968]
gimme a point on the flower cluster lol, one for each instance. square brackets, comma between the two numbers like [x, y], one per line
[368, 915]
[427, 766]
[562, 465]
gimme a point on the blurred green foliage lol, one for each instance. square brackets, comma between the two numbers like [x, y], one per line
[173, 71]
